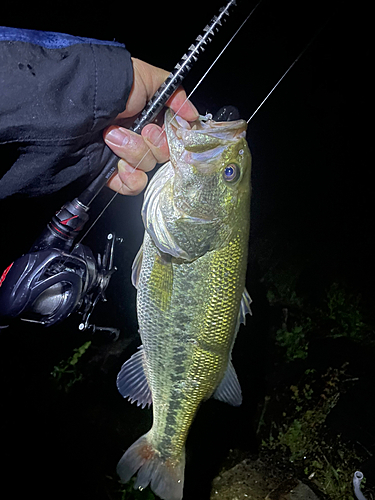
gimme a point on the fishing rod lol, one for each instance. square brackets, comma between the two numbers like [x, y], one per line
[59, 275]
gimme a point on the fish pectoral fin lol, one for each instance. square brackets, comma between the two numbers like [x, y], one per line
[136, 267]
[229, 390]
[132, 381]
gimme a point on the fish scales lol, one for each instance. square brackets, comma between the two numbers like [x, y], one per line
[190, 278]
[183, 348]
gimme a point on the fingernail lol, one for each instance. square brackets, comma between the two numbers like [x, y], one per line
[155, 137]
[118, 136]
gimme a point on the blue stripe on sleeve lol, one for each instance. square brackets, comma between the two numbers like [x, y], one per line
[48, 39]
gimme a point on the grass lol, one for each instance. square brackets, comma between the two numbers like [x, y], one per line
[293, 422]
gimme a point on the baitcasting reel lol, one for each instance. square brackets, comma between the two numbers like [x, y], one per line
[56, 278]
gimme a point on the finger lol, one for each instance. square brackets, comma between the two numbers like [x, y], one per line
[128, 180]
[182, 106]
[131, 147]
[156, 140]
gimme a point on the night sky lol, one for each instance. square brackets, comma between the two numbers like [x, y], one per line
[310, 141]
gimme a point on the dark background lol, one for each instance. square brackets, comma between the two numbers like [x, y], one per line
[312, 199]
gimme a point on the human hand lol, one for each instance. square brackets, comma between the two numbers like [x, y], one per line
[145, 150]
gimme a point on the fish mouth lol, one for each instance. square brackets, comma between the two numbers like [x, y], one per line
[204, 129]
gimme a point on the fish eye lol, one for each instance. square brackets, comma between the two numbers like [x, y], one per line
[231, 172]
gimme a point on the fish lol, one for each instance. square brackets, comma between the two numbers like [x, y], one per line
[191, 298]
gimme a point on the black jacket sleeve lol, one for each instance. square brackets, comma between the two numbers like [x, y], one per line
[57, 94]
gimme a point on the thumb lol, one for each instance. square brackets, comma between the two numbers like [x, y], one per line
[148, 76]
[146, 80]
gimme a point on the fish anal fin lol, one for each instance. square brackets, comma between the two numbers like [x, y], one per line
[229, 390]
[132, 381]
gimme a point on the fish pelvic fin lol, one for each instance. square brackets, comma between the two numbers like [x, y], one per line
[165, 477]
[132, 381]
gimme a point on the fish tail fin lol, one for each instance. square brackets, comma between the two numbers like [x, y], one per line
[165, 477]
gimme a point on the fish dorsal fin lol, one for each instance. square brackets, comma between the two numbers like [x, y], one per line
[136, 267]
[132, 381]
[245, 307]
[229, 390]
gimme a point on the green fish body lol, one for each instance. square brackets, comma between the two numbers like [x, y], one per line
[191, 297]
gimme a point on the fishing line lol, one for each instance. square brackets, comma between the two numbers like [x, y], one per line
[175, 114]
[290, 67]
[195, 88]
[218, 57]
[200, 81]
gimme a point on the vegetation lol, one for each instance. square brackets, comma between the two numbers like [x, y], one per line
[67, 372]
[303, 437]
[293, 424]
[344, 310]
[339, 316]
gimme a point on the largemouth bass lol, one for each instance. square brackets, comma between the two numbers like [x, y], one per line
[191, 296]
